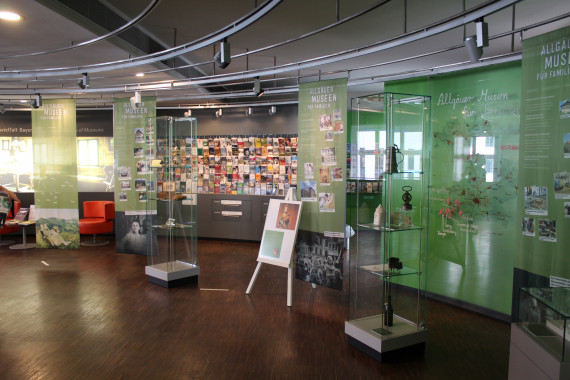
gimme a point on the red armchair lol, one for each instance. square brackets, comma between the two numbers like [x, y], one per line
[98, 217]
[10, 229]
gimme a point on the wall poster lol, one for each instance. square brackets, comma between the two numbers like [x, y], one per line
[54, 136]
[132, 129]
[545, 158]
[322, 182]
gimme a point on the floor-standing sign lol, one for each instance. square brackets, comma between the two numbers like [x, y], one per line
[133, 131]
[54, 135]
[321, 179]
[277, 242]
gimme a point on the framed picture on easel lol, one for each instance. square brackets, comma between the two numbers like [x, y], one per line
[279, 233]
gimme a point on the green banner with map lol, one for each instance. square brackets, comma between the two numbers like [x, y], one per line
[544, 195]
[55, 174]
[321, 182]
[133, 134]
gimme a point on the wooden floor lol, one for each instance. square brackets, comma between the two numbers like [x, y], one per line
[91, 314]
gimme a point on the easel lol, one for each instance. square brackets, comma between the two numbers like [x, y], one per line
[290, 197]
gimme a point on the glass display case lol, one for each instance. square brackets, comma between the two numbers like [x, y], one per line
[388, 212]
[170, 151]
[544, 314]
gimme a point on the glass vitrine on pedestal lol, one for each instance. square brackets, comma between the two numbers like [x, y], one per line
[389, 210]
[172, 201]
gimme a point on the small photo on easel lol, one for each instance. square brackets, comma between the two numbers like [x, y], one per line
[287, 217]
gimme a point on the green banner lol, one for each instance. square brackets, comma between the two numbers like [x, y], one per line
[130, 133]
[55, 174]
[134, 135]
[321, 174]
[544, 194]
[474, 182]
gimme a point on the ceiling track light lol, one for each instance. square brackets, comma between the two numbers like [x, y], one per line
[272, 110]
[219, 113]
[136, 100]
[248, 111]
[223, 57]
[37, 102]
[257, 90]
[475, 43]
[188, 113]
[83, 83]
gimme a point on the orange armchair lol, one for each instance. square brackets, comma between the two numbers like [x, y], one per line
[10, 229]
[98, 218]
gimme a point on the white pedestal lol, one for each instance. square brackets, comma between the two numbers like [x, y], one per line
[172, 273]
[401, 335]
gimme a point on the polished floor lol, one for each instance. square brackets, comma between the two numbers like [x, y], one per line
[91, 314]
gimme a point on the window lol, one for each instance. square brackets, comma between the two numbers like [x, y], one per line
[88, 152]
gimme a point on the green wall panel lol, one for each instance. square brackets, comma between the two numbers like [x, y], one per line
[474, 181]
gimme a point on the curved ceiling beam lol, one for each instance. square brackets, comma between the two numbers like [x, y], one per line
[134, 21]
[210, 39]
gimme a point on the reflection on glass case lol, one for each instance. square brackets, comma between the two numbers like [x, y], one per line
[388, 212]
[171, 185]
[544, 314]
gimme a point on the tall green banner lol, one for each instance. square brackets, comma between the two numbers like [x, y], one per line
[133, 132]
[474, 182]
[544, 195]
[322, 182]
[55, 174]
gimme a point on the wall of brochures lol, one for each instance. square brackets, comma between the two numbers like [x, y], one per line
[253, 164]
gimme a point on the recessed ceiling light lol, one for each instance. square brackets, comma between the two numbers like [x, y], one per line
[139, 74]
[9, 16]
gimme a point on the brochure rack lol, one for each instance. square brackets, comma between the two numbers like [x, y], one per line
[171, 221]
[388, 258]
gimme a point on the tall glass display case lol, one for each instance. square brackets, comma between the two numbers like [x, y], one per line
[388, 251]
[171, 200]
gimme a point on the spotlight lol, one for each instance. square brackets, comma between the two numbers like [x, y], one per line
[219, 113]
[223, 58]
[188, 113]
[475, 43]
[37, 102]
[475, 52]
[136, 100]
[84, 81]
[257, 90]
[272, 110]
[248, 111]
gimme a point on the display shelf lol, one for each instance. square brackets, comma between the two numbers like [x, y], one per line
[382, 271]
[377, 227]
[390, 142]
[172, 201]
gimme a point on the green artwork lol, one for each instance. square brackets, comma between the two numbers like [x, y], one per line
[272, 242]
[474, 182]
